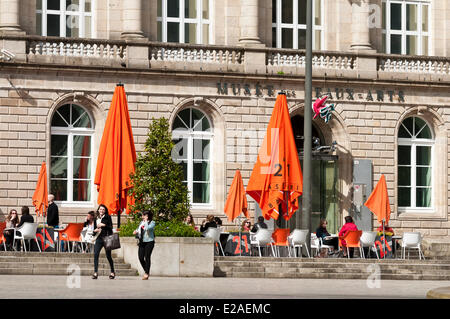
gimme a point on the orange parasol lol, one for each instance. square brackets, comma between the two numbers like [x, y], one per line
[236, 200]
[378, 201]
[117, 156]
[40, 196]
[277, 176]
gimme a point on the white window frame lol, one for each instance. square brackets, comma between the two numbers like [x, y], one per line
[199, 21]
[191, 135]
[296, 26]
[403, 32]
[414, 143]
[63, 15]
[70, 131]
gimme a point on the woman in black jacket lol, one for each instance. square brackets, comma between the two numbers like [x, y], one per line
[105, 228]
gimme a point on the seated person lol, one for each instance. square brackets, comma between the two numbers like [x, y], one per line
[322, 232]
[12, 220]
[259, 224]
[189, 220]
[388, 231]
[26, 218]
[246, 225]
[89, 225]
[208, 222]
[218, 221]
[348, 226]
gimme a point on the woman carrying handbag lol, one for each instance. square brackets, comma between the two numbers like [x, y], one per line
[145, 233]
[105, 228]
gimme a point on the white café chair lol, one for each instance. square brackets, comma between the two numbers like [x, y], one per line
[298, 239]
[27, 232]
[324, 246]
[411, 241]
[263, 237]
[367, 239]
[315, 244]
[214, 233]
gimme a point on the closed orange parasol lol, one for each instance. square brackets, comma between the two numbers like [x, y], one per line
[378, 201]
[236, 200]
[40, 196]
[277, 176]
[117, 156]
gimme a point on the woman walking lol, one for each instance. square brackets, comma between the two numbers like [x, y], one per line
[146, 241]
[105, 229]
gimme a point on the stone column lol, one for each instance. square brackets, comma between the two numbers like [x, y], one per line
[249, 22]
[132, 21]
[360, 25]
[9, 16]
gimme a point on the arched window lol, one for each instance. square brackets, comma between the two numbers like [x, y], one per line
[415, 158]
[192, 135]
[71, 154]
[65, 18]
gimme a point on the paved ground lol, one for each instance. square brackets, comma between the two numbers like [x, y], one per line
[30, 287]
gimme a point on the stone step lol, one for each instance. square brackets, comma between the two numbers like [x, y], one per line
[283, 265]
[60, 265]
[83, 271]
[56, 259]
[327, 260]
[345, 275]
[46, 254]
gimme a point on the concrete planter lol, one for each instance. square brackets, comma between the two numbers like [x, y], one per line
[172, 256]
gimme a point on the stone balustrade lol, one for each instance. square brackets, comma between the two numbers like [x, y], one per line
[414, 64]
[324, 59]
[193, 53]
[213, 58]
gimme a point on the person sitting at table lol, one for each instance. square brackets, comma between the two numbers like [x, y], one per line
[259, 224]
[26, 218]
[90, 224]
[189, 220]
[12, 220]
[348, 226]
[322, 232]
[246, 226]
[388, 231]
[208, 222]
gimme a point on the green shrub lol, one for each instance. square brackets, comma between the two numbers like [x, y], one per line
[172, 228]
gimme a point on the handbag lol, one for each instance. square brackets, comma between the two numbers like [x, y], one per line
[111, 242]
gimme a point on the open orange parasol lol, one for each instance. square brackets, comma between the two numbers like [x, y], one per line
[117, 156]
[277, 176]
[378, 201]
[40, 196]
[236, 200]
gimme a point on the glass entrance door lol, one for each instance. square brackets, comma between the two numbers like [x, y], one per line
[324, 195]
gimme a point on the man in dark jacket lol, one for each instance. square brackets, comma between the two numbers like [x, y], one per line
[52, 212]
[259, 224]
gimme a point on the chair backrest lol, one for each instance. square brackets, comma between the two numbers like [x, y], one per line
[368, 238]
[72, 231]
[28, 230]
[263, 236]
[411, 238]
[315, 241]
[213, 233]
[2, 227]
[352, 238]
[298, 236]
[280, 236]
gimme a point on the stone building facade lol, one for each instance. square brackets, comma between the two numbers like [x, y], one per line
[221, 64]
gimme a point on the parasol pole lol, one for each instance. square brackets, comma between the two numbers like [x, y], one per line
[384, 240]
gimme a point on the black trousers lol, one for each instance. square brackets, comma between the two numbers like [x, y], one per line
[145, 255]
[9, 237]
[332, 242]
[97, 248]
